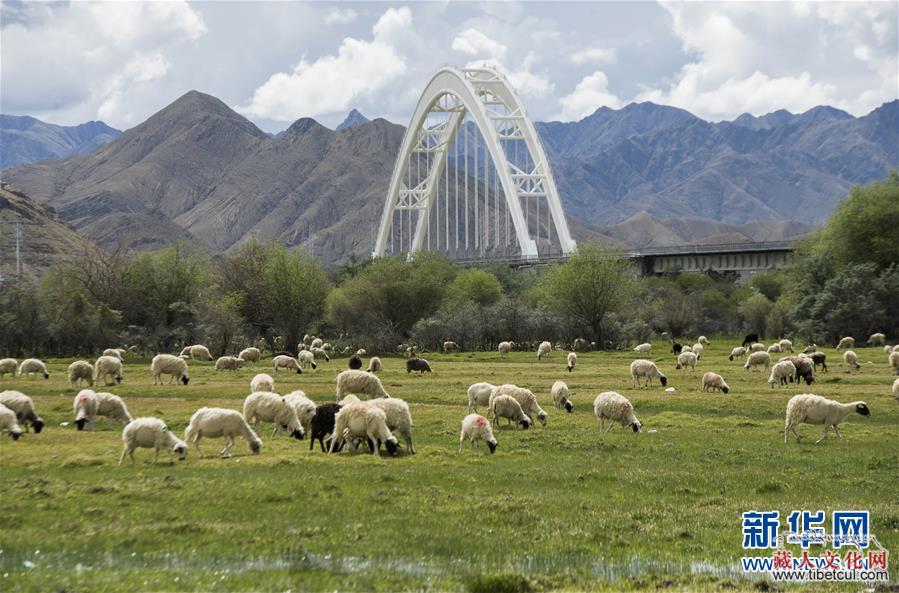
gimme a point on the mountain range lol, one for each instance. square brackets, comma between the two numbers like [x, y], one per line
[642, 175]
[25, 139]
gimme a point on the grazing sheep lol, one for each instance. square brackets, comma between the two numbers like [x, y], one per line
[786, 345]
[23, 406]
[399, 419]
[262, 382]
[774, 348]
[117, 352]
[644, 348]
[229, 363]
[505, 406]
[544, 350]
[757, 359]
[504, 348]
[286, 362]
[363, 421]
[355, 362]
[418, 364]
[476, 428]
[151, 433]
[877, 339]
[9, 423]
[757, 347]
[327, 347]
[360, 383]
[738, 352]
[316, 343]
[697, 350]
[648, 369]
[307, 339]
[374, 365]
[714, 382]
[677, 348]
[612, 406]
[805, 368]
[896, 348]
[108, 366]
[31, 366]
[265, 406]
[749, 339]
[896, 388]
[307, 359]
[572, 360]
[85, 407]
[814, 409]
[561, 396]
[525, 398]
[198, 352]
[251, 354]
[782, 373]
[305, 408]
[220, 422]
[894, 361]
[846, 343]
[886, 350]
[361, 352]
[810, 348]
[450, 347]
[851, 360]
[166, 364]
[322, 423]
[685, 359]
[479, 395]
[81, 370]
[686, 348]
[319, 354]
[9, 365]
[113, 407]
[819, 358]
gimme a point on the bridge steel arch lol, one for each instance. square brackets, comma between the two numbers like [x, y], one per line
[470, 91]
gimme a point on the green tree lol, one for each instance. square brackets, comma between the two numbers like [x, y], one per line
[473, 286]
[754, 311]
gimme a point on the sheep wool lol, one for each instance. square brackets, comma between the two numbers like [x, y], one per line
[704, 341]
[697, 350]
[166, 364]
[113, 407]
[108, 366]
[685, 348]
[200, 352]
[757, 359]
[738, 352]
[450, 347]
[561, 397]
[221, 422]
[479, 395]
[774, 348]
[642, 368]
[361, 383]
[8, 365]
[685, 359]
[418, 364]
[757, 347]
[782, 373]
[316, 343]
[572, 360]
[9, 423]
[33, 366]
[894, 361]
[363, 421]
[786, 345]
[374, 365]
[266, 406]
[262, 382]
[282, 361]
[544, 350]
[229, 363]
[846, 343]
[877, 339]
[398, 418]
[851, 360]
[613, 406]
[85, 407]
[644, 348]
[81, 370]
[808, 408]
[476, 428]
[505, 406]
[714, 382]
[896, 388]
[504, 348]
[151, 433]
[250, 354]
[323, 423]
[116, 352]
[525, 398]
[319, 354]
[23, 406]
[355, 362]
[304, 407]
[307, 359]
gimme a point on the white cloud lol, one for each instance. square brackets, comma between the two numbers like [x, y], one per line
[340, 16]
[333, 82]
[591, 93]
[595, 55]
[475, 43]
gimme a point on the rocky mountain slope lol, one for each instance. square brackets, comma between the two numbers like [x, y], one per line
[25, 139]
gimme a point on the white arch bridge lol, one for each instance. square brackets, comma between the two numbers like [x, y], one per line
[471, 179]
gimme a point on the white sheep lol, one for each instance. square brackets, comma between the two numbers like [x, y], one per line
[896, 388]
[282, 361]
[108, 366]
[81, 370]
[9, 423]
[714, 382]
[704, 341]
[526, 399]
[886, 350]
[738, 352]
[198, 352]
[266, 406]
[250, 354]
[896, 348]
[774, 348]
[359, 382]
[810, 348]
[851, 360]
[894, 361]
[320, 354]
[685, 359]
[305, 408]
[113, 407]
[229, 363]
[757, 359]
[504, 348]
[686, 348]
[614, 407]
[23, 406]
[361, 352]
[641, 368]
[782, 373]
[449, 346]
[116, 352]
[561, 397]
[544, 350]
[262, 382]
[167, 364]
[221, 422]
[644, 348]
[505, 406]
[31, 366]
[307, 359]
[572, 360]
[327, 347]
[151, 433]
[85, 407]
[845, 343]
[786, 345]
[476, 428]
[479, 395]
[814, 409]
[8, 365]
[374, 365]
[697, 350]
[877, 339]
[757, 347]
[359, 420]
[398, 417]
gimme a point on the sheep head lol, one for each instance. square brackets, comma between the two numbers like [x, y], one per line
[664, 380]
[525, 423]
[15, 435]
[181, 450]
[392, 446]
[862, 408]
[38, 425]
[185, 379]
[492, 445]
[298, 433]
[568, 406]
[636, 426]
[80, 423]
[255, 447]
[542, 416]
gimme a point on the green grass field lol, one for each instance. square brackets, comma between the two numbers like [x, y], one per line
[564, 507]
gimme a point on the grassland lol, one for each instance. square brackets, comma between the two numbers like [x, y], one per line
[564, 506]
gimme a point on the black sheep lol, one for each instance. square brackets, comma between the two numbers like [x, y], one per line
[417, 364]
[322, 423]
[355, 362]
[750, 339]
[676, 348]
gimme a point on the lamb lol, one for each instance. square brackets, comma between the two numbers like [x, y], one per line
[33, 366]
[612, 406]
[544, 350]
[81, 370]
[365, 421]
[316, 343]
[359, 382]
[808, 408]
[685, 359]
[198, 352]
[307, 359]
[398, 417]
[572, 360]
[229, 363]
[561, 397]
[774, 348]
[738, 352]
[505, 406]
[220, 422]
[151, 433]
[108, 366]
[250, 354]
[877, 339]
[286, 362]
[648, 369]
[697, 350]
[894, 361]
[525, 398]
[644, 348]
[479, 395]
[169, 365]
[322, 423]
[758, 359]
[23, 406]
[418, 364]
[476, 428]
[319, 354]
[117, 352]
[714, 382]
[757, 347]
[805, 368]
[9, 365]
[374, 365]
[851, 360]
[786, 345]
[355, 362]
[262, 382]
[265, 406]
[450, 347]
[846, 343]
[9, 423]
[85, 406]
[749, 339]
[505, 347]
[704, 341]
[304, 407]
[782, 373]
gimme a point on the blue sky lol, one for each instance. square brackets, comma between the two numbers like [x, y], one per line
[278, 61]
